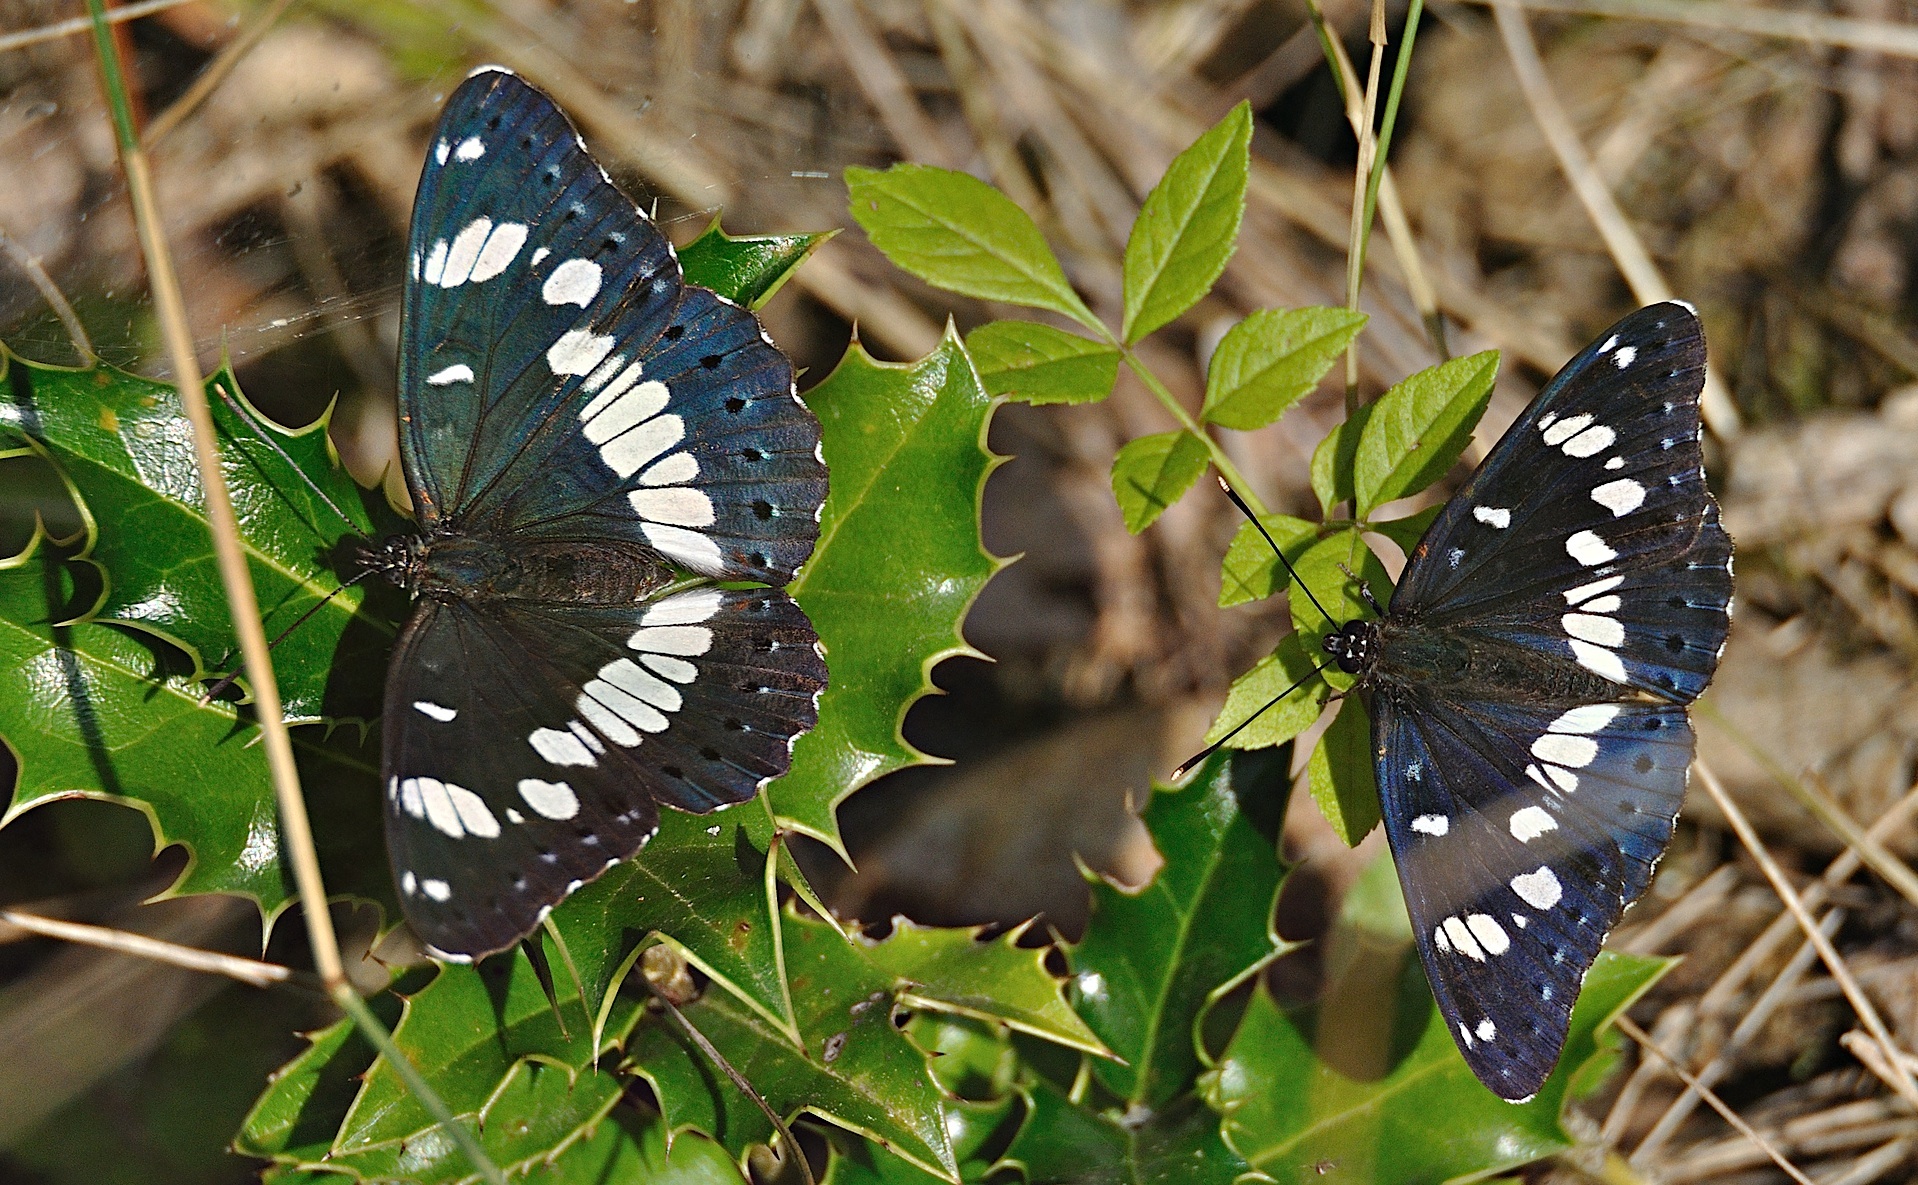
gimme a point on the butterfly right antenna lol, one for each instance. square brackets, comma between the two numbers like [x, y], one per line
[1186, 765]
[1289, 569]
[266, 438]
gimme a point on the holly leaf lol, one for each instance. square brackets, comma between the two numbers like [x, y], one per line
[956, 232]
[1152, 472]
[746, 269]
[1033, 363]
[1271, 360]
[1187, 226]
[1418, 429]
[634, 1145]
[1062, 1142]
[899, 562]
[1152, 958]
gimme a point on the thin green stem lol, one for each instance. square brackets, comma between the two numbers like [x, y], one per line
[369, 1025]
[1219, 460]
[1400, 69]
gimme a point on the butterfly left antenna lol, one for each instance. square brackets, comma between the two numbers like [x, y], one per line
[1289, 569]
[318, 605]
[1187, 765]
[266, 438]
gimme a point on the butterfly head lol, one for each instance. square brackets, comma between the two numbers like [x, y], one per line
[1355, 646]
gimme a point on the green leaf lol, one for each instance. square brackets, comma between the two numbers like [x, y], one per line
[1322, 570]
[1034, 363]
[956, 232]
[1406, 532]
[1341, 774]
[1251, 571]
[1369, 1080]
[1419, 427]
[1288, 666]
[635, 1146]
[124, 444]
[1188, 226]
[1062, 1143]
[1271, 360]
[995, 979]
[297, 1116]
[1153, 472]
[1332, 461]
[1152, 958]
[898, 564]
[746, 269]
[856, 1069]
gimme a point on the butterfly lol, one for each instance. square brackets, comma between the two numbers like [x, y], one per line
[597, 452]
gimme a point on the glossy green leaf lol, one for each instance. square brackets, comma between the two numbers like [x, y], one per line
[125, 445]
[1341, 774]
[898, 564]
[1251, 571]
[956, 232]
[1419, 427]
[1288, 676]
[1368, 1086]
[1188, 226]
[1271, 360]
[631, 1145]
[995, 979]
[1033, 363]
[1332, 461]
[1407, 531]
[972, 1126]
[297, 1116]
[855, 1069]
[1065, 1144]
[1152, 958]
[1153, 472]
[1323, 569]
[746, 269]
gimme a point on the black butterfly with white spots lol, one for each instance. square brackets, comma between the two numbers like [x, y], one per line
[590, 444]
[1528, 688]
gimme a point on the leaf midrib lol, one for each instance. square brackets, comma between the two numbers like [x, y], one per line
[1053, 285]
[1148, 1056]
[1159, 266]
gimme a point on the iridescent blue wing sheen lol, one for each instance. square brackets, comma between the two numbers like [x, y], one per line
[1521, 831]
[529, 745]
[1588, 534]
[560, 380]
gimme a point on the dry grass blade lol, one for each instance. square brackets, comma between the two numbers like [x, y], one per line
[1814, 28]
[249, 971]
[879, 77]
[28, 263]
[214, 73]
[80, 24]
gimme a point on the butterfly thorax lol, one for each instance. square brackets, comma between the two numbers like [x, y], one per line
[451, 565]
[1399, 649]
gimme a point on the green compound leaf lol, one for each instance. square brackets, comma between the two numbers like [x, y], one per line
[746, 269]
[125, 446]
[953, 970]
[1271, 360]
[855, 1068]
[1419, 427]
[1322, 570]
[1288, 666]
[1153, 472]
[1062, 1143]
[1033, 363]
[1368, 1086]
[1343, 784]
[1188, 226]
[956, 232]
[898, 564]
[1407, 531]
[1152, 959]
[1251, 571]
[1332, 461]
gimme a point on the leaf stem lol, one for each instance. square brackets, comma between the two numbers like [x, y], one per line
[1164, 395]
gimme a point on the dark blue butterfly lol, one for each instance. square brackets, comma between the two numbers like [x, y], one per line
[579, 427]
[1528, 685]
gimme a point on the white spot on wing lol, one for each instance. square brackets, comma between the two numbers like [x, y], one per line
[671, 639]
[687, 608]
[574, 282]
[436, 889]
[1558, 432]
[1487, 1030]
[1625, 357]
[1595, 439]
[1489, 933]
[1431, 824]
[621, 407]
[1528, 823]
[502, 247]
[560, 748]
[1574, 595]
[688, 547]
[1609, 343]
[464, 252]
[677, 469]
[474, 816]
[1588, 549]
[439, 712]
[1585, 719]
[435, 263]
[627, 675]
[1462, 939]
[551, 800]
[470, 148]
[1570, 751]
[440, 811]
[459, 372]
[680, 505]
[577, 351]
[1621, 497]
[1493, 516]
[628, 454]
[1604, 631]
[1539, 889]
[409, 884]
[1599, 661]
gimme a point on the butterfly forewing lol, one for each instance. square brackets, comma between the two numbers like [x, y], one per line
[529, 745]
[565, 382]
[1530, 687]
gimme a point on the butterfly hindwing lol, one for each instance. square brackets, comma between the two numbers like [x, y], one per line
[529, 746]
[561, 379]
[1521, 833]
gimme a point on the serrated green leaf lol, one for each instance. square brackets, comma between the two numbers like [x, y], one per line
[1406, 532]
[124, 444]
[1341, 774]
[1034, 363]
[633, 1146]
[297, 1116]
[1370, 1084]
[1062, 1142]
[973, 1127]
[898, 564]
[1188, 226]
[1251, 570]
[1271, 360]
[1153, 472]
[1332, 460]
[1322, 569]
[856, 1069]
[1152, 958]
[1419, 427]
[1288, 666]
[746, 269]
[956, 232]
[952, 970]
